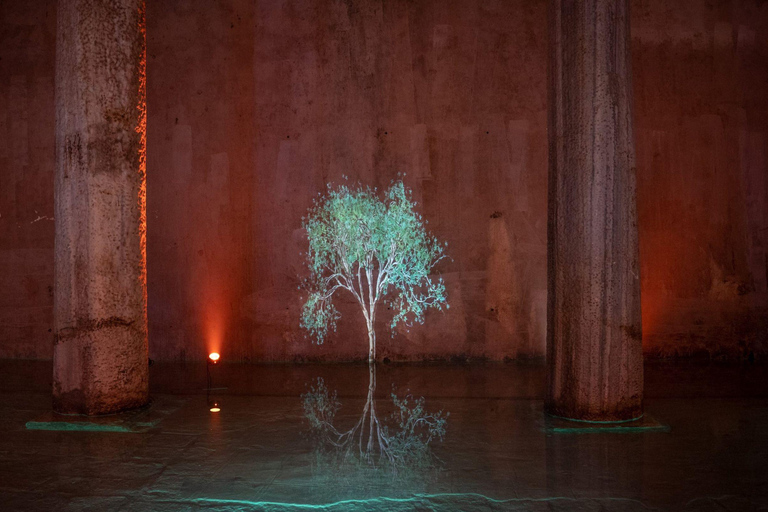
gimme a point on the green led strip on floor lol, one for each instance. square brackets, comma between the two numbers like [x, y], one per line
[441, 500]
[559, 425]
[608, 429]
[76, 426]
[133, 427]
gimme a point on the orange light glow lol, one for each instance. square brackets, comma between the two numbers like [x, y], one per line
[214, 357]
[215, 409]
[213, 317]
[141, 130]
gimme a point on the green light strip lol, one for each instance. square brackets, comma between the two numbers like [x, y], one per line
[611, 430]
[437, 499]
[74, 427]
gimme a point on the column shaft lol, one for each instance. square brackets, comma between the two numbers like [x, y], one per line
[100, 318]
[594, 347]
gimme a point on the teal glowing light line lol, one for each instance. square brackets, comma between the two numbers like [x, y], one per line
[86, 426]
[613, 430]
[74, 427]
[267, 505]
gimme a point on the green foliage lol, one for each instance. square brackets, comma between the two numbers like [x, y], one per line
[376, 249]
[417, 428]
[320, 406]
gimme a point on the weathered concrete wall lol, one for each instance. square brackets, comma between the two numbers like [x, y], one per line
[701, 105]
[253, 118]
[27, 55]
[254, 106]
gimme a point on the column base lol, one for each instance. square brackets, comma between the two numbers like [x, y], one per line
[624, 411]
[645, 423]
[101, 368]
[137, 420]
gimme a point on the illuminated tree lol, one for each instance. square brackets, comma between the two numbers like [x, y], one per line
[377, 250]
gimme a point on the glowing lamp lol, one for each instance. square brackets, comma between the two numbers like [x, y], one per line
[213, 357]
[215, 407]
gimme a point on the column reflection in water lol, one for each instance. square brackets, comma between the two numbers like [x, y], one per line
[597, 466]
[397, 443]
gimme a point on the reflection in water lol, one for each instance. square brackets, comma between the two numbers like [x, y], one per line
[398, 442]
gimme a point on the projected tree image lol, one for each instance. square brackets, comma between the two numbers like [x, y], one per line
[402, 444]
[377, 250]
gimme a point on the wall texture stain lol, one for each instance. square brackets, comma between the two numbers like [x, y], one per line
[254, 106]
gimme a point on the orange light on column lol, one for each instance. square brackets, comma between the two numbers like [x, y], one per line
[213, 357]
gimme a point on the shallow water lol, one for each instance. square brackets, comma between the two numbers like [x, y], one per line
[258, 452]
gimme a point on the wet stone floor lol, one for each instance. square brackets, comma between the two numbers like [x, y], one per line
[400, 437]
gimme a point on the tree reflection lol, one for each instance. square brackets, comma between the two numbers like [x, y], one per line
[399, 442]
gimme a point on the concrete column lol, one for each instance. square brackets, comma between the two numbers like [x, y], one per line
[100, 353]
[594, 341]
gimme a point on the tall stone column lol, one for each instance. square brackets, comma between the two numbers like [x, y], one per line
[100, 319]
[594, 341]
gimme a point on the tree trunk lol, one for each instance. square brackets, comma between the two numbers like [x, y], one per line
[371, 343]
